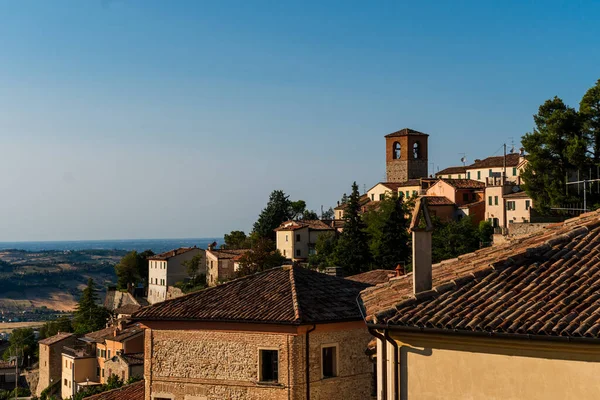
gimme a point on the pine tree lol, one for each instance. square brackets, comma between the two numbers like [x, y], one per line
[89, 316]
[393, 246]
[589, 110]
[352, 252]
[277, 211]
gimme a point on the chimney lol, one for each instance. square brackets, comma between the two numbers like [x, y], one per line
[399, 270]
[421, 228]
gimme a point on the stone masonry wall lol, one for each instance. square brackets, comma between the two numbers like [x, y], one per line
[51, 362]
[211, 365]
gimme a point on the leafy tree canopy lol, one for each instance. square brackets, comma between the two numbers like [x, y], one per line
[236, 240]
[22, 344]
[51, 328]
[278, 210]
[263, 256]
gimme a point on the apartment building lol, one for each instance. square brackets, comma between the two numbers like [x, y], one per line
[296, 239]
[166, 269]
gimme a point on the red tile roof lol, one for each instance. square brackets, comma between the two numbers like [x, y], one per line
[283, 295]
[512, 160]
[374, 277]
[224, 254]
[452, 170]
[171, 253]
[127, 332]
[517, 195]
[134, 391]
[464, 183]
[405, 132]
[133, 358]
[546, 283]
[316, 225]
[56, 338]
[364, 199]
[439, 201]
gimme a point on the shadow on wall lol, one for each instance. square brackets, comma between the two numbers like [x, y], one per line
[404, 350]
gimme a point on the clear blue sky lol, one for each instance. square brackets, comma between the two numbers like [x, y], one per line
[148, 119]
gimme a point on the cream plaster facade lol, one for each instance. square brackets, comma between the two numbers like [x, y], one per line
[107, 350]
[76, 370]
[298, 244]
[165, 273]
[221, 361]
[432, 367]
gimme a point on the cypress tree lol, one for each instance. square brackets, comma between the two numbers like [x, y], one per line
[393, 246]
[352, 252]
[89, 316]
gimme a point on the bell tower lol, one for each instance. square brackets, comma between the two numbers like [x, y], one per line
[405, 155]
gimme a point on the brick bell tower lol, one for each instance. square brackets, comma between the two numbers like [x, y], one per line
[405, 155]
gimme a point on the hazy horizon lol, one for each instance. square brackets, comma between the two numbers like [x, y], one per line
[139, 118]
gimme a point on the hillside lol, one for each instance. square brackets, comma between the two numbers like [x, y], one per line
[38, 282]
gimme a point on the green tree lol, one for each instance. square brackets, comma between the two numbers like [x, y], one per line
[297, 209]
[555, 148]
[352, 251]
[277, 211]
[264, 255]
[589, 110]
[128, 270]
[51, 328]
[21, 344]
[89, 316]
[236, 240]
[328, 214]
[486, 232]
[393, 246]
[309, 215]
[324, 251]
[453, 238]
[192, 266]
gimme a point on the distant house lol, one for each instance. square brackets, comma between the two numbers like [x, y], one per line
[119, 302]
[166, 269]
[221, 264]
[517, 320]
[285, 333]
[465, 194]
[296, 239]
[50, 355]
[7, 375]
[490, 167]
[91, 359]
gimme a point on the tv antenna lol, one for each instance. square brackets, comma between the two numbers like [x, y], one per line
[463, 159]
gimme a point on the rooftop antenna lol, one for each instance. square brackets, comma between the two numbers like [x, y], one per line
[512, 145]
[463, 159]
[364, 188]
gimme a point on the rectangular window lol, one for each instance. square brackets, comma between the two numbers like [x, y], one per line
[65, 382]
[478, 174]
[514, 171]
[459, 176]
[491, 173]
[465, 196]
[381, 196]
[407, 194]
[298, 253]
[103, 372]
[510, 205]
[469, 175]
[286, 238]
[269, 366]
[284, 252]
[372, 196]
[414, 193]
[527, 204]
[109, 354]
[69, 384]
[97, 371]
[329, 361]
[297, 237]
[490, 200]
[496, 200]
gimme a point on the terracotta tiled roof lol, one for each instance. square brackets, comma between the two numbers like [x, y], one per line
[374, 277]
[469, 205]
[389, 185]
[517, 195]
[133, 358]
[109, 333]
[171, 253]
[224, 254]
[283, 295]
[315, 224]
[6, 365]
[512, 160]
[127, 309]
[134, 391]
[464, 183]
[439, 201]
[452, 170]
[56, 338]
[405, 132]
[546, 283]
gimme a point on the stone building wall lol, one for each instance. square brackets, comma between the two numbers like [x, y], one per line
[211, 365]
[50, 363]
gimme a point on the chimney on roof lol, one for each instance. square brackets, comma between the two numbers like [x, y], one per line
[477, 160]
[421, 228]
[399, 270]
